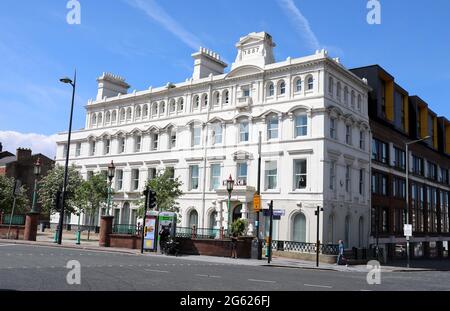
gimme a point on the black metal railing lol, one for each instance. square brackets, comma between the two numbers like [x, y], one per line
[199, 233]
[125, 229]
[303, 247]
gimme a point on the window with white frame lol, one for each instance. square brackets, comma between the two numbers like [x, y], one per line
[172, 106]
[348, 134]
[106, 146]
[271, 175]
[217, 134]
[310, 82]
[114, 116]
[333, 175]
[78, 150]
[137, 143]
[180, 105]
[108, 117]
[135, 179]
[359, 104]
[129, 114]
[270, 90]
[196, 102]
[216, 99]
[346, 95]
[196, 135]
[121, 145]
[301, 125]
[155, 140]
[170, 171]
[243, 131]
[93, 147]
[138, 111]
[122, 115]
[173, 138]
[333, 128]
[205, 100]
[226, 97]
[215, 176]
[362, 174]
[348, 178]
[151, 173]
[272, 127]
[338, 91]
[298, 85]
[362, 140]
[145, 111]
[242, 173]
[330, 86]
[282, 88]
[300, 174]
[119, 179]
[162, 108]
[154, 110]
[194, 177]
[246, 91]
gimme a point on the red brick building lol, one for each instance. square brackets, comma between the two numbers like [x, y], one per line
[396, 118]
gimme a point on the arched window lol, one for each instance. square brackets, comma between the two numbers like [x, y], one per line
[310, 83]
[300, 123]
[270, 89]
[226, 97]
[338, 91]
[359, 102]
[125, 214]
[114, 116]
[122, 115]
[299, 228]
[138, 111]
[196, 102]
[361, 232]
[298, 85]
[282, 88]
[205, 100]
[94, 119]
[353, 99]
[108, 117]
[172, 106]
[172, 137]
[180, 105]
[145, 111]
[331, 230]
[212, 219]
[346, 95]
[237, 213]
[193, 219]
[216, 99]
[100, 118]
[162, 108]
[154, 110]
[330, 85]
[347, 231]
[129, 113]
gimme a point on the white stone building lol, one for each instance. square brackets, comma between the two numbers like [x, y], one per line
[313, 115]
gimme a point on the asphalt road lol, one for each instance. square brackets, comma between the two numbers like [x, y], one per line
[37, 268]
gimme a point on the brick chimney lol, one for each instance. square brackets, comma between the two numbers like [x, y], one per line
[23, 154]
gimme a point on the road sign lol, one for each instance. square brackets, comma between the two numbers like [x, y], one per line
[257, 203]
[279, 212]
[407, 229]
[17, 185]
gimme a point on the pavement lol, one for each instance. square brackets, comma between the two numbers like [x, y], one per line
[33, 266]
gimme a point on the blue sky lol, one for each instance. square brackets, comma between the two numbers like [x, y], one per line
[149, 42]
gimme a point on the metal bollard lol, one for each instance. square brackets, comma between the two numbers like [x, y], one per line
[55, 238]
[78, 235]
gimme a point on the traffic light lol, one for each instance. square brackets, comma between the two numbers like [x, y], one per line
[151, 199]
[57, 200]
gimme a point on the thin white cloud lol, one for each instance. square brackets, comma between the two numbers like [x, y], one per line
[159, 15]
[300, 22]
[36, 142]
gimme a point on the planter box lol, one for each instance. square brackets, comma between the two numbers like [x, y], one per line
[125, 241]
[306, 256]
[219, 248]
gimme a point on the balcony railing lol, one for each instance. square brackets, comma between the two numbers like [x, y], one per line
[303, 247]
[199, 233]
[126, 229]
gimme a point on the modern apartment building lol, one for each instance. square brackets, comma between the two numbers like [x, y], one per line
[396, 118]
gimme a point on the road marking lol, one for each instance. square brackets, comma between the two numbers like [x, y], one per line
[209, 276]
[160, 271]
[9, 245]
[321, 286]
[366, 290]
[263, 281]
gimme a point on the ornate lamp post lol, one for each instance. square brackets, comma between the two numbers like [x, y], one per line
[37, 172]
[230, 185]
[111, 173]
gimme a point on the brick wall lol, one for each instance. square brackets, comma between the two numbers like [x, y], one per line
[16, 233]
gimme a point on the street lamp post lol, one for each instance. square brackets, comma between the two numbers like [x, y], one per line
[111, 173]
[66, 168]
[407, 191]
[37, 172]
[230, 185]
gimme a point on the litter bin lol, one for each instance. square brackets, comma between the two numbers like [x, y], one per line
[69, 227]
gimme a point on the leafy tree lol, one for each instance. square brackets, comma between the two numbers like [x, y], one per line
[239, 226]
[7, 198]
[91, 195]
[53, 182]
[167, 192]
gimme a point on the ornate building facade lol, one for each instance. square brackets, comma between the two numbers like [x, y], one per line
[313, 116]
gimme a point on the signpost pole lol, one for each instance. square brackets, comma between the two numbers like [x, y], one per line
[259, 193]
[16, 192]
[146, 193]
[269, 259]
[11, 217]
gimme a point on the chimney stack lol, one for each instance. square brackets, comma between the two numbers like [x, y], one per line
[110, 85]
[207, 62]
[23, 154]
